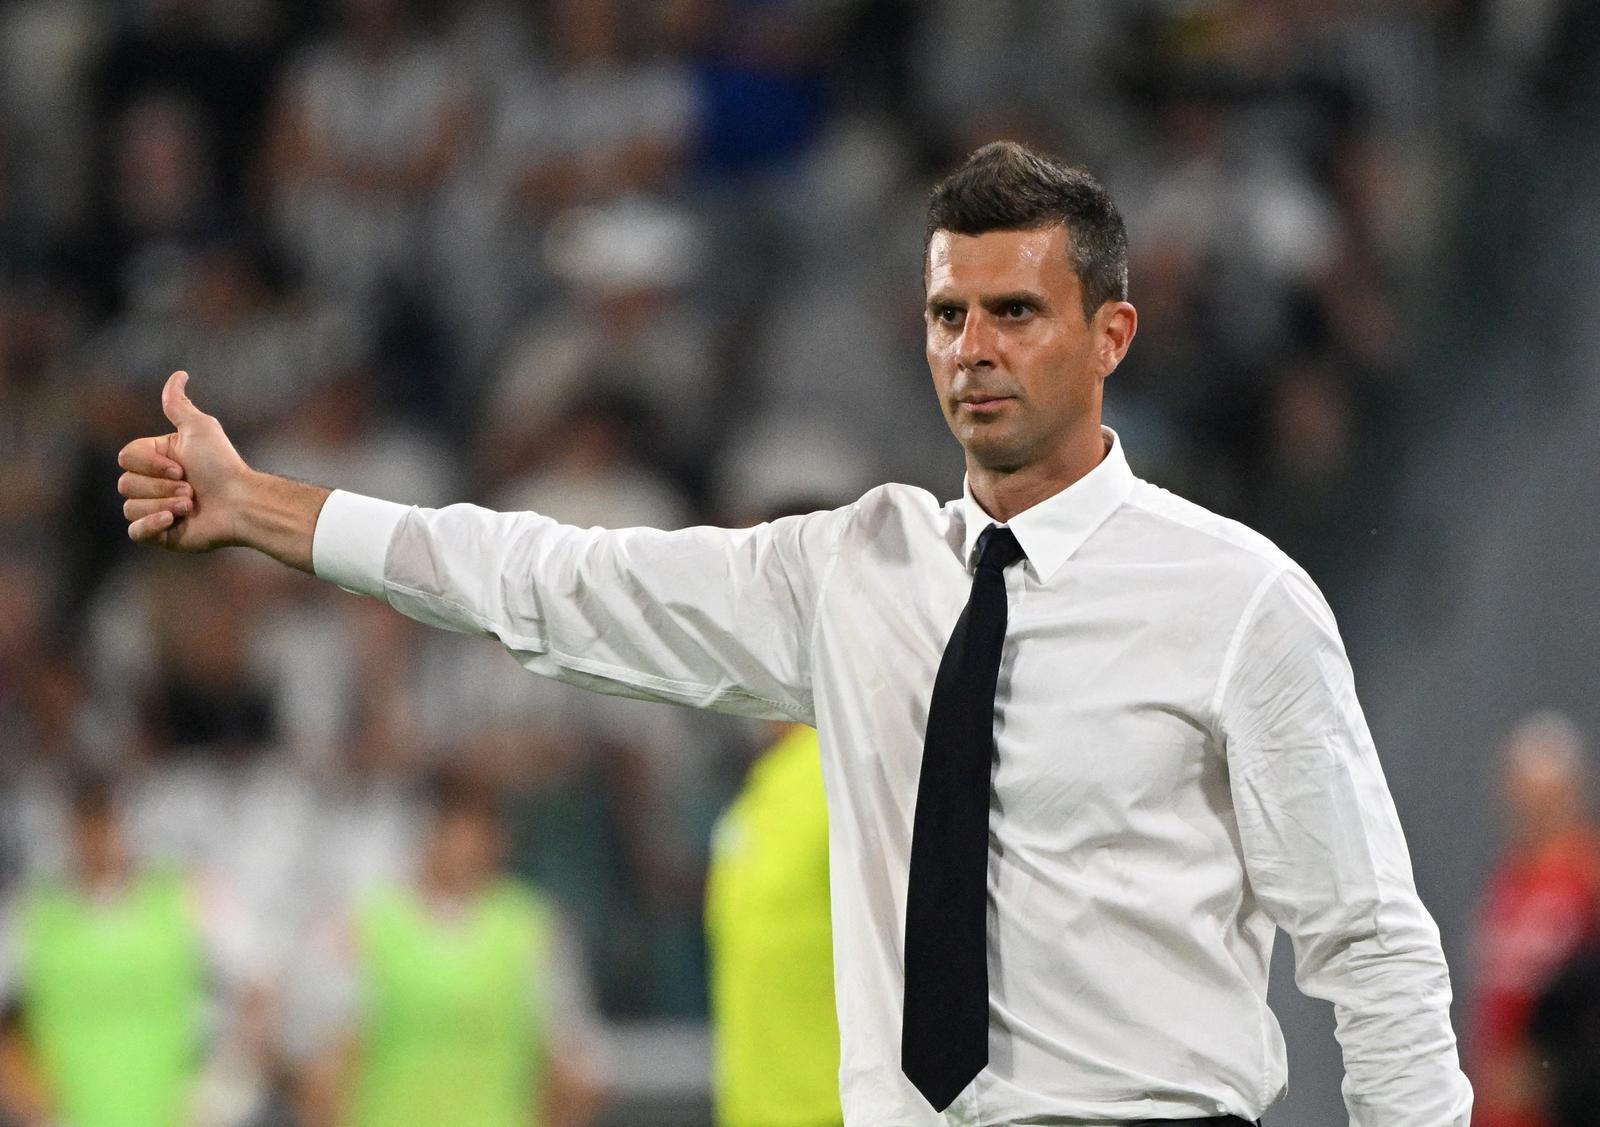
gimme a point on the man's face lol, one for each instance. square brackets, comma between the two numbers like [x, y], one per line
[1017, 367]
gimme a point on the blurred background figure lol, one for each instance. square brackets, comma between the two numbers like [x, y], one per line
[776, 1035]
[369, 127]
[119, 979]
[1542, 908]
[454, 997]
[1564, 1030]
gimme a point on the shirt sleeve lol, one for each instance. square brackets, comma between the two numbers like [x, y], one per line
[709, 617]
[1327, 861]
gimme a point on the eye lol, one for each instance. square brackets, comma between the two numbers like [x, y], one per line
[947, 315]
[1016, 310]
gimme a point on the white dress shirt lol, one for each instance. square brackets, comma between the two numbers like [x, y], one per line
[1181, 764]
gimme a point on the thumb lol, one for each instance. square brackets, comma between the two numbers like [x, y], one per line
[176, 404]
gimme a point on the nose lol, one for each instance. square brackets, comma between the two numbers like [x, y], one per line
[975, 348]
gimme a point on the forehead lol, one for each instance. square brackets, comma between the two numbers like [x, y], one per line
[1035, 259]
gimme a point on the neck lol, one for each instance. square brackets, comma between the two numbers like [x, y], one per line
[103, 880]
[1003, 493]
[1550, 829]
[447, 888]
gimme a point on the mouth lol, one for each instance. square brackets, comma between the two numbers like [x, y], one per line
[982, 403]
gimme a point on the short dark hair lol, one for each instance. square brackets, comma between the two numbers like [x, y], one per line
[1005, 186]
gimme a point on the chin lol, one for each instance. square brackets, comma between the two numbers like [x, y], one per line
[994, 453]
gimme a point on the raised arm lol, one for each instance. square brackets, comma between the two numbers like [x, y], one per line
[1327, 861]
[709, 617]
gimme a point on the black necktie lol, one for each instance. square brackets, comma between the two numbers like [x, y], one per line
[944, 1032]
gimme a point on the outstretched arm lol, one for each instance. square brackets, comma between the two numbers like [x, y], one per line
[190, 491]
[709, 617]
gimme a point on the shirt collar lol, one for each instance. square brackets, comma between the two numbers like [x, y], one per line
[1056, 527]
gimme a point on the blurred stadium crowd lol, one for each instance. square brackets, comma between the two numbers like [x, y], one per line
[627, 262]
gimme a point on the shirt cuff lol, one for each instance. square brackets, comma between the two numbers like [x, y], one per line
[351, 541]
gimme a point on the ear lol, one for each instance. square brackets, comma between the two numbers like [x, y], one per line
[1115, 322]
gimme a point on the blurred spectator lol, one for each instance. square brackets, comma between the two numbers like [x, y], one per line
[632, 328]
[51, 725]
[763, 95]
[369, 127]
[224, 317]
[218, 53]
[771, 943]
[611, 799]
[47, 53]
[457, 997]
[206, 696]
[589, 472]
[1564, 1030]
[608, 121]
[354, 674]
[55, 727]
[163, 200]
[338, 430]
[110, 974]
[587, 117]
[1542, 906]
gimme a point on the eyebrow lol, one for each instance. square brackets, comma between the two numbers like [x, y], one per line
[990, 302]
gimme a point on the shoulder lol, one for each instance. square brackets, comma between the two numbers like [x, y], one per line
[377, 907]
[886, 514]
[896, 497]
[883, 517]
[1168, 547]
[39, 898]
[1196, 526]
[520, 896]
[1172, 528]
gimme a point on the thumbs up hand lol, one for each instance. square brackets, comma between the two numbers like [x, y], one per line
[183, 490]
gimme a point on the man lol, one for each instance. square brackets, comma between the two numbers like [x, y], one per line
[454, 998]
[775, 1036]
[1065, 817]
[108, 977]
[1542, 908]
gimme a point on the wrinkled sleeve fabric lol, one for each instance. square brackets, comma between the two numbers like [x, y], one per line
[709, 617]
[1326, 859]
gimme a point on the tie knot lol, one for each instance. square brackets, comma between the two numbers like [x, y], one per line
[998, 547]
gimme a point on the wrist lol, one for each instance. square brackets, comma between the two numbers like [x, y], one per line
[242, 498]
[277, 516]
